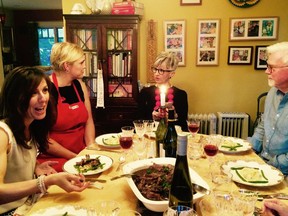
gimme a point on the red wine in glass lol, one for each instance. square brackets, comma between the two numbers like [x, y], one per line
[126, 142]
[210, 150]
[193, 127]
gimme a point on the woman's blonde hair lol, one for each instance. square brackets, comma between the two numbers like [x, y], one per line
[168, 58]
[64, 52]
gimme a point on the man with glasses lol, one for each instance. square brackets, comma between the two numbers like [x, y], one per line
[149, 99]
[270, 137]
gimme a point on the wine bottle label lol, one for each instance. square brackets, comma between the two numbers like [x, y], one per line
[182, 145]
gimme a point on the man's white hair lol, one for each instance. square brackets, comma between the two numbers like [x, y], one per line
[281, 47]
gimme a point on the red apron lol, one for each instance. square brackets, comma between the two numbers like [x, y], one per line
[69, 128]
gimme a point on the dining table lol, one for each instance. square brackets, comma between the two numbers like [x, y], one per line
[120, 191]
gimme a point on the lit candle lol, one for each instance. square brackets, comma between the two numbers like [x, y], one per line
[162, 96]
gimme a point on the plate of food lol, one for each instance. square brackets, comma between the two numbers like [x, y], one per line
[252, 173]
[61, 210]
[231, 145]
[110, 140]
[88, 164]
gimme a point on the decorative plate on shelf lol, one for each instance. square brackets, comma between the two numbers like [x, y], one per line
[244, 3]
[95, 5]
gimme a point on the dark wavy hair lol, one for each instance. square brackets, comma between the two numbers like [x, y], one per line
[17, 90]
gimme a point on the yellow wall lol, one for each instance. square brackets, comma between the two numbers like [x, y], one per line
[214, 88]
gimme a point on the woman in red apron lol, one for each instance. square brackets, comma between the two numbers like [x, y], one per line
[74, 128]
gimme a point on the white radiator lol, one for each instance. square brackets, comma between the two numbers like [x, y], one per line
[208, 123]
[234, 124]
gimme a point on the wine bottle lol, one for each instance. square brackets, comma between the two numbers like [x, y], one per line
[160, 132]
[170, 138]
[181, 191]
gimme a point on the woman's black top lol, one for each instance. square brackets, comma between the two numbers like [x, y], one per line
[147, 101]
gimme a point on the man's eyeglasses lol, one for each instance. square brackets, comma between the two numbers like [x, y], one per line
[160, 71]
[272, 68]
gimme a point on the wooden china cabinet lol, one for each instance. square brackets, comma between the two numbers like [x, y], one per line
[110, 43]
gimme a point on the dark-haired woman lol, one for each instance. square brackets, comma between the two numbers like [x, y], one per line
[26, 115]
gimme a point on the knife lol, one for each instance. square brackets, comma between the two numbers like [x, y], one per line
[123, 175]
[270, 196]
[95, 180]
[98, 149]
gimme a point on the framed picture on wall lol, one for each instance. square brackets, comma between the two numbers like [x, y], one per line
[255, 28]
[190, 2]
[208, 42]
[240, 55]
[175, 38]
[260, 58]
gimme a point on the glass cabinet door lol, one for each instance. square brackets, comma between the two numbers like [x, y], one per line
[119, 63]
[87, 40]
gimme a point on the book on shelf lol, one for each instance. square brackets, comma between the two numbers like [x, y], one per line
[119, 64]
[88, 39]
[119, 39]
[90, 63]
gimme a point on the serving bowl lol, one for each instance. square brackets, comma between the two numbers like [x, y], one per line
[158, 206]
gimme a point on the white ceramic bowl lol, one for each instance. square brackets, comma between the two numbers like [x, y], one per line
[157, 206]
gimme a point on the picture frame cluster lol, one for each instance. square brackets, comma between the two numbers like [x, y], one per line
[242, 55]
[208, 37]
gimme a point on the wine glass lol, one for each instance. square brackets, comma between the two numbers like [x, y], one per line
[193, 125]
[195, 148]
[150, 125]
[211, 146]
[126, 137]
[140, 128]
[126, 141]
[179, 210]
[139, 146]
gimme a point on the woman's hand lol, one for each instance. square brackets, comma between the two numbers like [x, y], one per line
[68, 182]
[157, 115]
[45, 168]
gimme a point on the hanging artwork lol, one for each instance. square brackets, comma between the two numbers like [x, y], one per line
[240, 55]
[260, 58]
[175, 38]
[190, 2]
[208, 42]
[257, 28]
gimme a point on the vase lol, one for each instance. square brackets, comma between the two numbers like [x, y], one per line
[107, 7]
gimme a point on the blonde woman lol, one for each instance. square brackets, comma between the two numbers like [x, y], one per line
[74, 128]
[164, 69]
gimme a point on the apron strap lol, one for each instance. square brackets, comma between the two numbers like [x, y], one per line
[54, 78]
